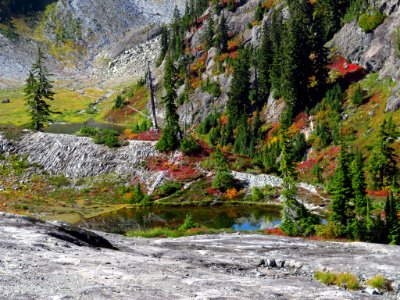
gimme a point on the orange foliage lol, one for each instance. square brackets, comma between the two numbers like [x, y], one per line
[268, 4]
[224, 120]
[233, 45]
[128, 135]
[232, 194]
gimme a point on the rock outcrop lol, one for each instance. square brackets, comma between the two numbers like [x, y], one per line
[38, 265]
[376, 51]
[78, 156]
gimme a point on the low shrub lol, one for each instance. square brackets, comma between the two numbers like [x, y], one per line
[189, 146]
[169, 188]
[59, 181]
[188, 223]
[223, 181]
[357, 98]
[211, 87]
[368, 22]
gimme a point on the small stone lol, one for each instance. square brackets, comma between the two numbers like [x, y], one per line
[271, 263]
[261, 264]
[5, 101]
[281, 263]
[372, 291]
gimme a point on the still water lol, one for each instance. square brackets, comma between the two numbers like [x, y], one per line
[71, 128]
[233, 217]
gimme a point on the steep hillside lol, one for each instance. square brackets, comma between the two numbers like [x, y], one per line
[75, 32]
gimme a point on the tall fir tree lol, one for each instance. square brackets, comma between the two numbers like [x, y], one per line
[171, 134]
[296, 52]
[296, 219]
[238, 103]
[382, 162]
[392, 224]
[38, 91]
[221, 39]
[359, 185]
[265, 58]
[342, 192]
[276, 33]
[209, 33]
[164, 44]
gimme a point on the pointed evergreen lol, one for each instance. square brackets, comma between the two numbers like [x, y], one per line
[276, 33]
[382, 163]
[238, 102]
[221, 39]
[209, 34]
[296, 220]
[38, 90]
[359, 185]
[391, 220]
[265, 58]
[342, 191]
[171, 134]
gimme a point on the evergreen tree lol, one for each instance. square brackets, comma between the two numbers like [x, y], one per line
[209, 33]
[38, 90]
[164, 44]
[186, 17]
[358, 97]
[242, 137]
[382, 162]
[221, 39]
[296, 52]
[392, 224]
[327, 14]
[238, 103]
[171, 134]
[342, 192]
[265, 57]
[276, 32]
[359, 185]
[259, 13]
[296, 220]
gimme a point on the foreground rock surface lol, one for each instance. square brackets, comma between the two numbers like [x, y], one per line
[37, 265]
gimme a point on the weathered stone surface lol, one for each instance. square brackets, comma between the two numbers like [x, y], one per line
[274, 109]
[35, 265]
[393, 102]
[78, 156]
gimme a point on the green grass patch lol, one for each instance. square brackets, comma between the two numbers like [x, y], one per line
[379, 282]
[343, 280]
[173, 233]
[69, 103]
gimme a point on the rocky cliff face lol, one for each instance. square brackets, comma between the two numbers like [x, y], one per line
[376, 51]
[78, 156]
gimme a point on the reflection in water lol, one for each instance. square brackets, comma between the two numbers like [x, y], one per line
[71, 128]
[235, 217]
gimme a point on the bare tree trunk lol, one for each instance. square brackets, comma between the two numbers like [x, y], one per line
[153, 104]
